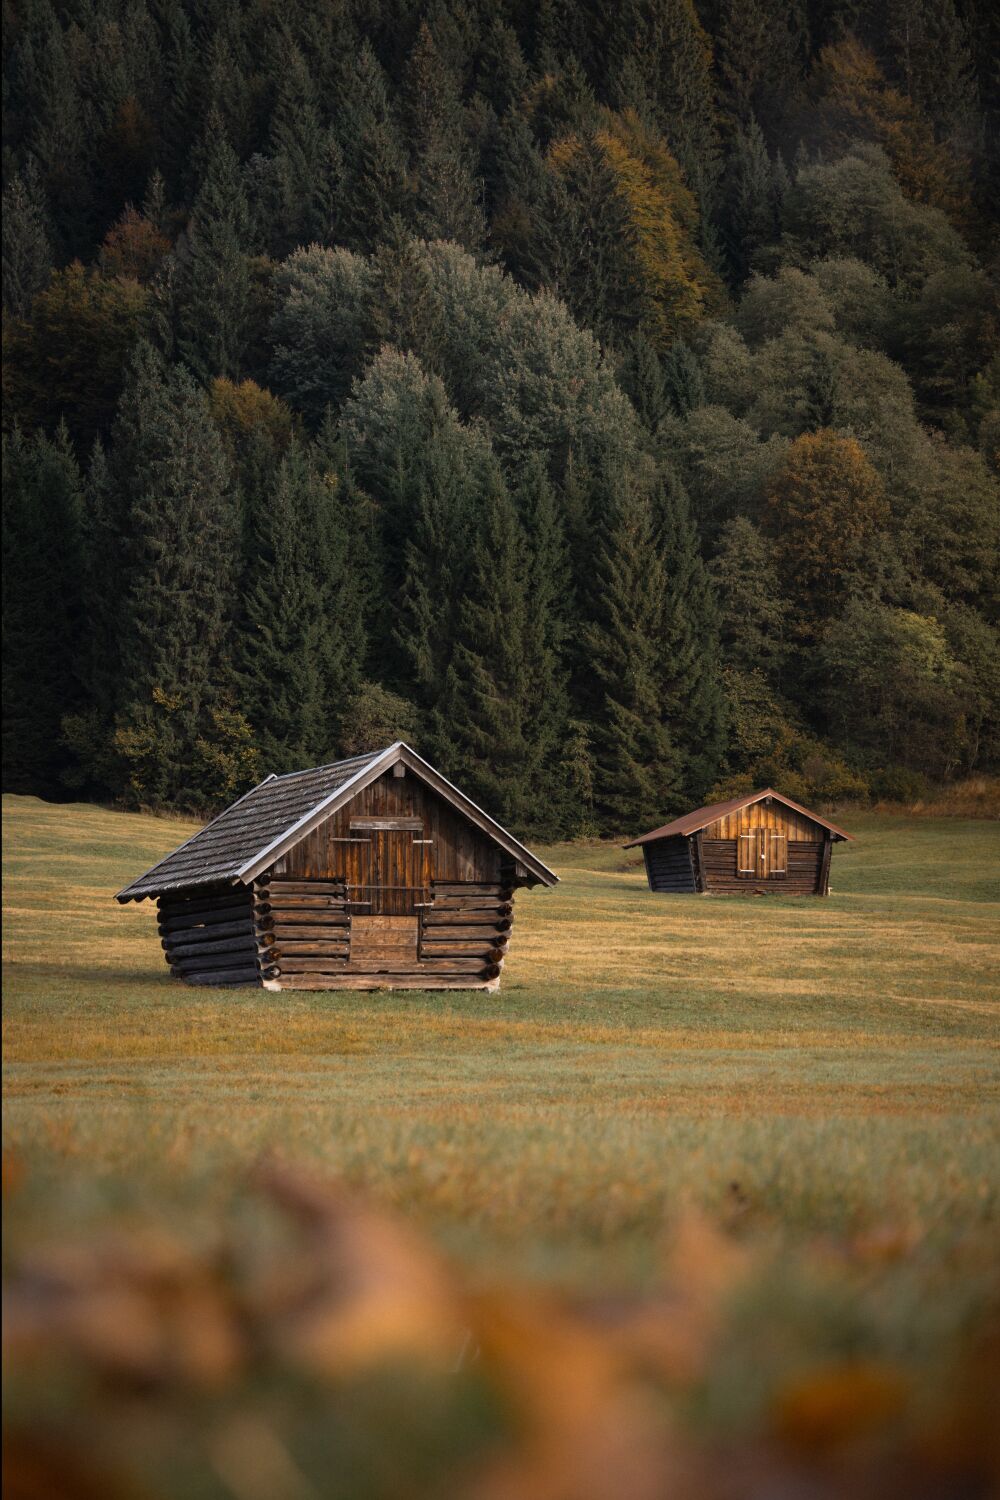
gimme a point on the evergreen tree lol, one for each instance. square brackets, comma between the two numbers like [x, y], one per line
[752, 611]
[751, 200]
[691, 694]
[662, 54]
[41, 606]
[294, 669]
[685, 386]
[300, 150]
[446, 193]
[374, 187]
[638, 771]
[214, 274]
[181, 528]
[27, 253]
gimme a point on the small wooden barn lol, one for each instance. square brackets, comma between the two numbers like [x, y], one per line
[757, 843]
[371, 873]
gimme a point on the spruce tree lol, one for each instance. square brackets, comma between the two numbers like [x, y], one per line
[375, 186]
[181, 524]
[691, 692]
[751, 200]
[213, 284]
[298, 144]
[480, 727]
[638, 771]
[27, 253]
[685, 386]
[41, 606]
[294, 666]
[447, 200]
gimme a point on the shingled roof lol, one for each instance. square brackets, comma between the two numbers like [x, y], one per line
[257, 829]
[694, 822]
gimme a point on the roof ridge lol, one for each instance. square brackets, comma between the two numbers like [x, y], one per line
[329, 765]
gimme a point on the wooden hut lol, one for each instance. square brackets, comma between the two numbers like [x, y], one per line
[371, 873]
[757, 843]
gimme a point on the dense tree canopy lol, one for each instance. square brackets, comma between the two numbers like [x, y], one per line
[605, 397]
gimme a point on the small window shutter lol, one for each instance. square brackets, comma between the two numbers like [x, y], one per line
[746, 858]
[779, 854]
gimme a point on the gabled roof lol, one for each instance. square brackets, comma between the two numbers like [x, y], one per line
[694, 822]
[261, 826]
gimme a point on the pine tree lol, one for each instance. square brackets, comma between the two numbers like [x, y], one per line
[691, 694]
[750, 195]
[375, 188]
[299, 147]
[214, 281]
[640, 375]
[181, 526]
[27, 253]
[446, 194]
[41, 606]
[638, 772]
[294, 668]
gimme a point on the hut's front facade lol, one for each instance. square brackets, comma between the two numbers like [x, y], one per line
[752, 844]
[371, 873]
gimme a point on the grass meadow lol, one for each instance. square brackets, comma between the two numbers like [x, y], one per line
[706, 1199]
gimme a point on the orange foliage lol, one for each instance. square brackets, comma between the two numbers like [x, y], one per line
[677, 285]
[854, 102]
[133, 247]
[242, 409]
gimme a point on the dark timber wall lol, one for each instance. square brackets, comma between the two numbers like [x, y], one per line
[211, 937]
[670, 865]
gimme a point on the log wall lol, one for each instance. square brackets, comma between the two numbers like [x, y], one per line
[670, 866]
[212, 937]
[457, 941]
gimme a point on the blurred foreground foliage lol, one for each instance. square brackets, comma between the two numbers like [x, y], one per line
[318, 1346]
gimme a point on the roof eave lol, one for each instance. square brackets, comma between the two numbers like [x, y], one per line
[670, 830]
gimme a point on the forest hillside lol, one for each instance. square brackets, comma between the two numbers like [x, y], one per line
[604, 398]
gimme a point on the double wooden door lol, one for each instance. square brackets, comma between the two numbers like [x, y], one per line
[389, 867]
[762, 854]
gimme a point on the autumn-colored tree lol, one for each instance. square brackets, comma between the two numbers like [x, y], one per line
[133, 247]
[852, 101]
[635, 260]
[823, 505]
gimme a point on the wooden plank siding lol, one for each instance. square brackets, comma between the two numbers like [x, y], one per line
[414, 894]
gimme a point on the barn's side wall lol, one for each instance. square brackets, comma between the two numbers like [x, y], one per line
[210, 936]
[670, 866]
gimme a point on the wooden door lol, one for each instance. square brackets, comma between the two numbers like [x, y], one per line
[762, 854]
[390, 875]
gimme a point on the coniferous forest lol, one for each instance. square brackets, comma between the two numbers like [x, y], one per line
[603, 398]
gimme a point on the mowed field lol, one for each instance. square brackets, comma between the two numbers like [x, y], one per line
[784, 1111]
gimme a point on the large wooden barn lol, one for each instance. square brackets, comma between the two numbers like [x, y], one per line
[757, 843]
[371, 873]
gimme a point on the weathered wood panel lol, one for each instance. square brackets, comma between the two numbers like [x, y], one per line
[800, 879]
[456, 850]
[773, 817]
[670, 866]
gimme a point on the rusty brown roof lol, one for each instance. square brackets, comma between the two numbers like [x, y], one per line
[693, 822]
[257, 829]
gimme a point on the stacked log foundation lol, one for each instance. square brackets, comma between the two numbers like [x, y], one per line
[211, 937]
